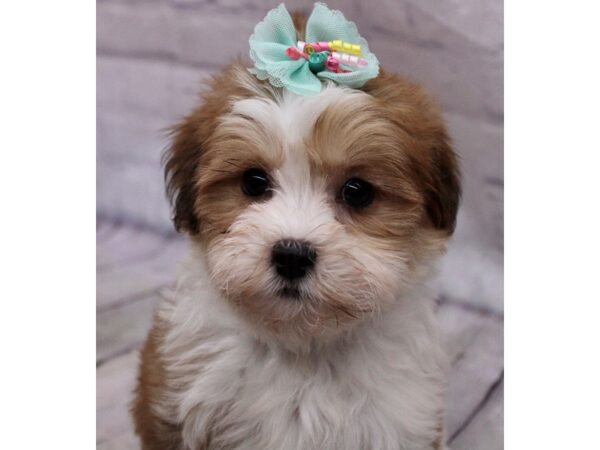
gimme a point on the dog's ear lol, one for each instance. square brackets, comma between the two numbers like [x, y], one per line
[189, 140]
[442, 189]
[181, 161]
[435, 164]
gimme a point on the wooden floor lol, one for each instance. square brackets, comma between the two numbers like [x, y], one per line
[134, 265]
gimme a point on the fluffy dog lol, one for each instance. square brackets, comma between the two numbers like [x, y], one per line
[301, 319]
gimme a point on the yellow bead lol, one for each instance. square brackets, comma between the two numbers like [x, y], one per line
[335, 45]
[339, 46]
[309, 49]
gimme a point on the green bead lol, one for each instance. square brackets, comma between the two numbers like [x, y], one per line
[316, 61]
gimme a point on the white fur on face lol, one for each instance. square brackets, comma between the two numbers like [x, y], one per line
[351, 276]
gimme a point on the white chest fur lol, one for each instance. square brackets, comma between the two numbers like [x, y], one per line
[379, 388]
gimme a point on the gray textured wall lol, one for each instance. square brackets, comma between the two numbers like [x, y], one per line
[153, 56]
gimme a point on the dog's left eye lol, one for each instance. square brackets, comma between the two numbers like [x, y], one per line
[255, 182]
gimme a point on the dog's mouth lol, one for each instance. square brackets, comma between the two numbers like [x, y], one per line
[291, 292]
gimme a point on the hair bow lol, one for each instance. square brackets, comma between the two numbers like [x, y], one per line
[333, 51]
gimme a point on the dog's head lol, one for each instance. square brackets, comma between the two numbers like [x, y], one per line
[314, 212]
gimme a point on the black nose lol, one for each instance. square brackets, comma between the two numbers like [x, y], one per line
[292, 259]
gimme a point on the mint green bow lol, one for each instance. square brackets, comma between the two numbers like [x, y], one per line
[276, 33]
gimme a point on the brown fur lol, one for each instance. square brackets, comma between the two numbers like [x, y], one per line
[155, 433]
[431, 159]
[229, 151]
[299, 18]
[182, 159]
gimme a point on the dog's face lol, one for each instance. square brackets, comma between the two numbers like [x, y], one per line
[314, 212]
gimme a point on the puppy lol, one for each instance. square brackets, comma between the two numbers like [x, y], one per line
[301, 319]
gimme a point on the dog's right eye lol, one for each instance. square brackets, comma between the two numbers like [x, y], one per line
[255, 182]
[357, 193]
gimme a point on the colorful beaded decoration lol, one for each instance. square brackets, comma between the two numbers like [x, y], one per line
[331, 57]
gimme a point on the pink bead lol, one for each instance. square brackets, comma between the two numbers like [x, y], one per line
[294, 53]
[333, 65]
[321, 46]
